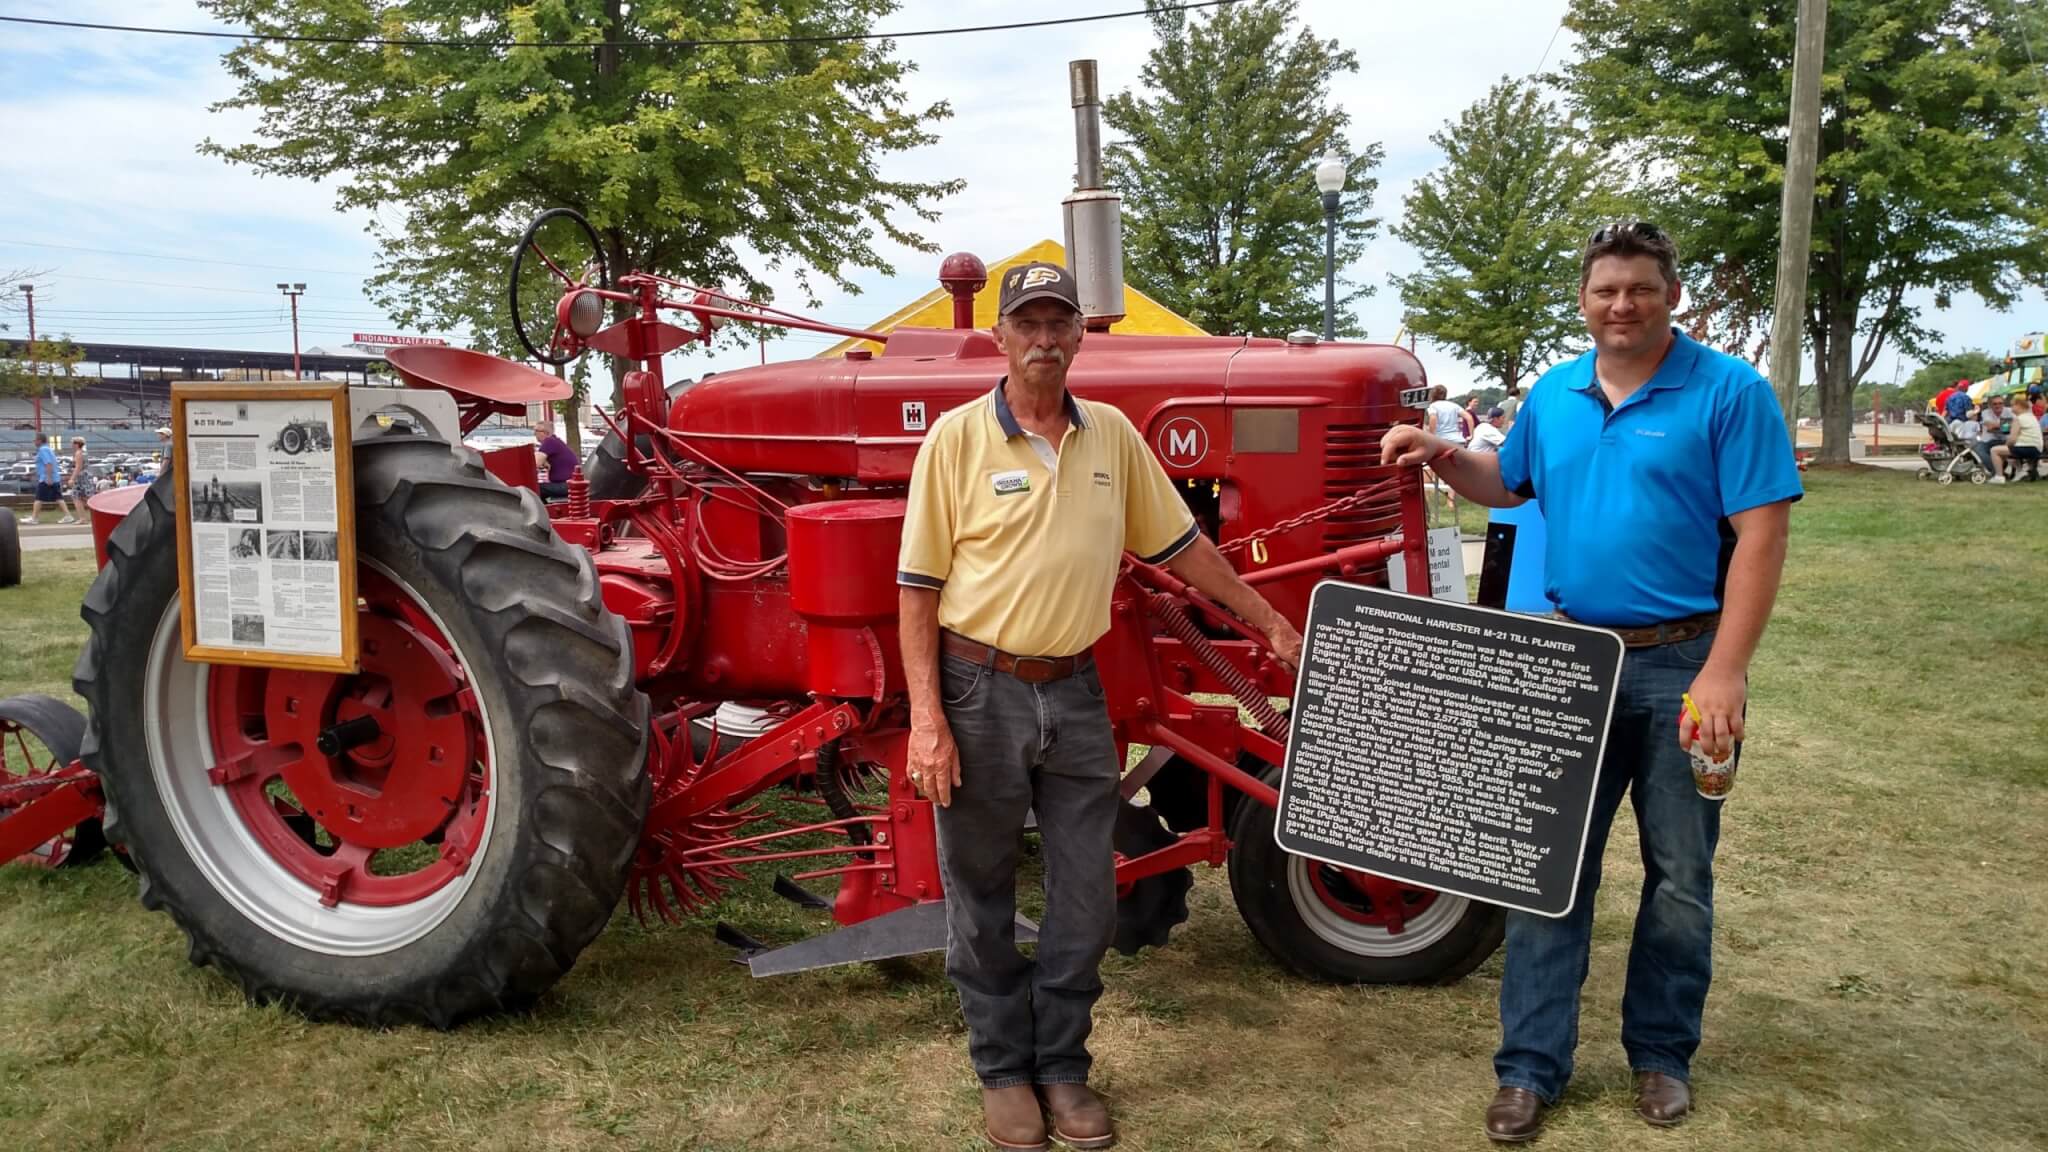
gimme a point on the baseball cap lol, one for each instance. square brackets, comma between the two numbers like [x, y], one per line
[1038, 280]
[1495, 413]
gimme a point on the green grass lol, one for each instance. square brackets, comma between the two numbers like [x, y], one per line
[1880, 975]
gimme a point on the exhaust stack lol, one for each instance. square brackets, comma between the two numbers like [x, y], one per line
[1094, 215]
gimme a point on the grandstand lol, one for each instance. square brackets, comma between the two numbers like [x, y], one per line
[128, 394]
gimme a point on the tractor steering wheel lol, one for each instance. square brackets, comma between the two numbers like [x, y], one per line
[563, 345]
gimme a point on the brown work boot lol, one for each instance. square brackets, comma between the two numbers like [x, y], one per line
[1662, 1100]
[1011, 1119]
[1079, 1118]
[1515, 1115]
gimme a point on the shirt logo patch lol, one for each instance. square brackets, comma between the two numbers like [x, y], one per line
[1102, 478]
[1006, 483]
[1654, 432]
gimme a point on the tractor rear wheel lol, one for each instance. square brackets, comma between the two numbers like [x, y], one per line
[453, 862]
[40, 735]
[1345, 927]
[606, 471]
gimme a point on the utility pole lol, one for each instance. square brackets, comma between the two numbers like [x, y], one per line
[28, 292]
[294, 291]
[1795, 211]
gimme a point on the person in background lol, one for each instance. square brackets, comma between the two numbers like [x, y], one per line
[1958, 401]
[2022, 445]
[2037, 401]
[48, 490]
[1446, 420]
[1940, 402]
[1487, 436]
[561, 461]
[1509, 405]
[1993, 418]
[81, 481]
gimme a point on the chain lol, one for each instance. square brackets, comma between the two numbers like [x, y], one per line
[1309, 517]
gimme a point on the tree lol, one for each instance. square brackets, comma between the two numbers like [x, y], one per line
[1222, 219]
[708, 163]
[1971, 364]
[1500, 227]
[42, 367]
[1933, 171]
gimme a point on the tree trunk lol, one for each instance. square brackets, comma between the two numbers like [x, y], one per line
[571, 414]
[1837, 385]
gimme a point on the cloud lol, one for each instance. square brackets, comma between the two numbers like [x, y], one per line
[107, 124]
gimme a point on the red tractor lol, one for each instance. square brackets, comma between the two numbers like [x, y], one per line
[532, 732]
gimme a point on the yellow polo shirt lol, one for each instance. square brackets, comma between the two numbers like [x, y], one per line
[1024, 549]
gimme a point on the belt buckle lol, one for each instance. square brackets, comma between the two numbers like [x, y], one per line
[1049, 663]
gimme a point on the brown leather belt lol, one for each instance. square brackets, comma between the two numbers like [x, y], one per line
[1669, 632]
[1029, 669]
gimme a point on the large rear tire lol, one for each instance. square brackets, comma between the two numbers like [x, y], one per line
[1330, 924]
[607, 473]
[497, 673]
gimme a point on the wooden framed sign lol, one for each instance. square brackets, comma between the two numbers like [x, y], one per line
[266, 516]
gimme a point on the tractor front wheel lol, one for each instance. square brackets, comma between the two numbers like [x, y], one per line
[1334, 924]
[435, 836]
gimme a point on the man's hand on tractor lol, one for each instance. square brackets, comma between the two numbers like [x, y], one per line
[1409, 446]
[1719, 696]
[1286, 643]
[934, 762]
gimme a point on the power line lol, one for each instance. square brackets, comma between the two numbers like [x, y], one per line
[738, 41]
[185, 259]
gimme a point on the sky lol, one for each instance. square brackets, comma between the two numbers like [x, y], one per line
[139, 238]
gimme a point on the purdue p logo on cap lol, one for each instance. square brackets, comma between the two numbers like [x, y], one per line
[1038, 281]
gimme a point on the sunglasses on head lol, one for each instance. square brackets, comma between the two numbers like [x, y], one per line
[1640, 229]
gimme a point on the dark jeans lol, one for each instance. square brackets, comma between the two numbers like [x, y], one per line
[550, 490]
[1023, 746]
[1670, 958]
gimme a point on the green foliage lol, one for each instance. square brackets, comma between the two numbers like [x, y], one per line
[1933, 171]
[1222, 219]
[1500, 227]
[45, 366]
[709, 164]
[1971, 364]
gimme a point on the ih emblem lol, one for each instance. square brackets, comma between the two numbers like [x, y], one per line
[913, 415]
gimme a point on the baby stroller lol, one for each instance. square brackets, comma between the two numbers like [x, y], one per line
[1944, 458]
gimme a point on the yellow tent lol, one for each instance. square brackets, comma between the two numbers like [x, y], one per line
[1144, 316]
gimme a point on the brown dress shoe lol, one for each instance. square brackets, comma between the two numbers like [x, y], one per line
[1662, 1100]
[1079, 1118]
[1515, 1115]
[1011, 1119]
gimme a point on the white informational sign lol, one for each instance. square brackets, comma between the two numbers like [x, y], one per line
[268, 564]
[1446, 567]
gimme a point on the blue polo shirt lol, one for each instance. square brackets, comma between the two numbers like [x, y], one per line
[1637, 498]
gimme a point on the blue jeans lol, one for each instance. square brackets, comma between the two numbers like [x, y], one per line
[1023, 747]
[1670, 959]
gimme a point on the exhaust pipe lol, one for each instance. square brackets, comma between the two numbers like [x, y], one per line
[1094, 215]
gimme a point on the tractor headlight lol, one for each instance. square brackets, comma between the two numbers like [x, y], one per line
[586, 314]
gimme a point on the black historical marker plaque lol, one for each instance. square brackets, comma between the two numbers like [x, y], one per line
[1447, 746]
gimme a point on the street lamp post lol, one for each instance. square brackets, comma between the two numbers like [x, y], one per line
[1330, 182]
[294, 291]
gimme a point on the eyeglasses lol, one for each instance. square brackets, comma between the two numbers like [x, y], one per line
[1640, 229]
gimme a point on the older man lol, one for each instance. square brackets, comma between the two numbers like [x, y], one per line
[1022, 503]
[1666, 478]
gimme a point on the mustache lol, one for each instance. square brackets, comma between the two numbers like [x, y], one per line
[1055, 355]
